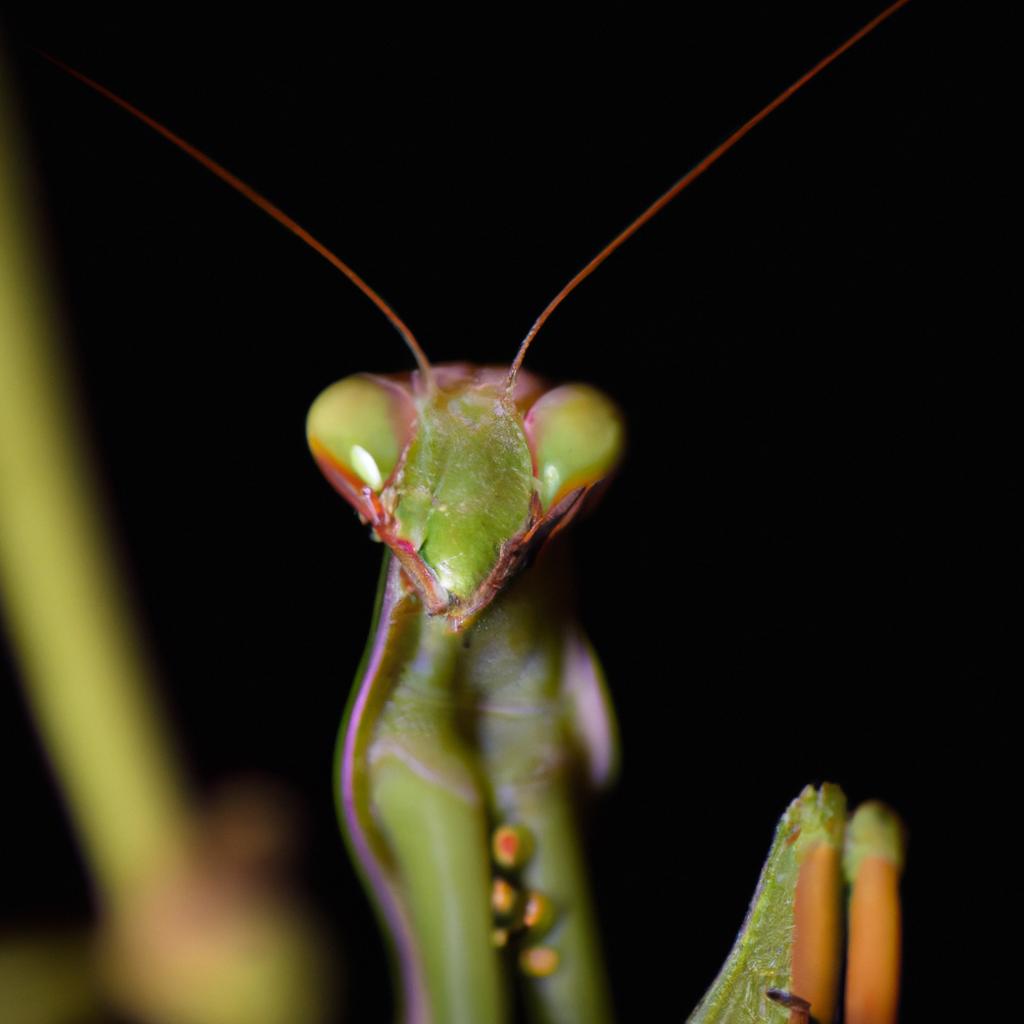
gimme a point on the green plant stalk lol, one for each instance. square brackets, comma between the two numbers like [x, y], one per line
[86, 677]
[761, 960]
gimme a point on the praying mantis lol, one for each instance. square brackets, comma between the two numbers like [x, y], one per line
[625, 581]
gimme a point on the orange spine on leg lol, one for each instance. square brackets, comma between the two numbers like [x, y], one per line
[874, 860]
[817, 932]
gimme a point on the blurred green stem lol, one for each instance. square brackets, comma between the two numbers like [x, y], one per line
[86, 676]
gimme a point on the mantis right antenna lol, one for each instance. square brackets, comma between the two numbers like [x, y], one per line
[692, 175]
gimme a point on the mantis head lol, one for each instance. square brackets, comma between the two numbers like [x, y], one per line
[463, 477]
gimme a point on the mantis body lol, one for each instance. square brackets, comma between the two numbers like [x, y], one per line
[584, 748]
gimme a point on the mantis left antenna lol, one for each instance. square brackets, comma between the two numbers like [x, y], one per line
[264, 204]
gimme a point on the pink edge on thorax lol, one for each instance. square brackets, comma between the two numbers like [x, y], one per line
[592, 714]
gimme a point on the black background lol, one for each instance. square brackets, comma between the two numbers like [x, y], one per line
[785, 581]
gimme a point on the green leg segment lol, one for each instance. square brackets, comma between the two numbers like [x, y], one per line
[439, 840]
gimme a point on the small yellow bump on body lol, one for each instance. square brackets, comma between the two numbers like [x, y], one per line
[499, 938]
[539, 961]
[512, 846]
[504, 898]
[539, 912]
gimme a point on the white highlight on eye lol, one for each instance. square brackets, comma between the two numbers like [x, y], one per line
[552, 478]
[365, 466]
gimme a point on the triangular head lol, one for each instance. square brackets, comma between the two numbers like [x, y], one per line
[461, 476]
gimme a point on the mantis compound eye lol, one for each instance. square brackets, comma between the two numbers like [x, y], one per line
[361, 424]
[577, 436]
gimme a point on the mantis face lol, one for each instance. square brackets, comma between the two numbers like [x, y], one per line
[461, 476]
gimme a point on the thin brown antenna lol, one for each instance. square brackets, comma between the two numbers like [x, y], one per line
[264, 204]
[692, 175]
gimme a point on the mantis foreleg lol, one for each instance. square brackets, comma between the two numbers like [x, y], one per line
[439, 841]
